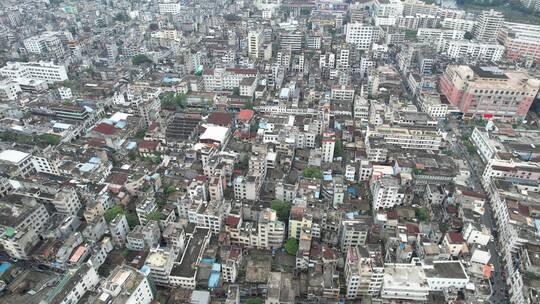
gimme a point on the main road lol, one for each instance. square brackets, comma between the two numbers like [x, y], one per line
[476, 168]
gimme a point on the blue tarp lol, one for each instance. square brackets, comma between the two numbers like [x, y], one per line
[121, 124]
[132, 145]
[327, 177]
[87, 167]
[352, 191]
[207, 261]
[216, 267]
[213, 280]
[95, 160]
[3, 267]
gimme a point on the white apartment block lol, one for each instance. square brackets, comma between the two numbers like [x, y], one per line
[127, 285]
[247, 187]
[363, 274]
[387, 192]
[170, 7]
[465, 25]
[9, 89]
[404, 282]
[19, 212]
[486, 147]
[488, 26]
[46, 71]
[328, 145]
[255, 38]
[45, 42]
[388, 8]
[208, 215]
[360, 35]
[17, 243]
[408, 138]
[20, 160]
[160, 262]
[431, 104]
[343, 93]
[474, 50]
[226, 78]
[119, 229]
[74, 285]
[67, 201]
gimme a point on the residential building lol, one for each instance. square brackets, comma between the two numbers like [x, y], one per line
[488, 26]
[489, 92]
[126, 284]
[387, 192]
[46, 71]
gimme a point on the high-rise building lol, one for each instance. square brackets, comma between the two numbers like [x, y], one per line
[522, 41]
[488, 26]
[254, 43]
[489, 92]
[360, 35]
[328, 145]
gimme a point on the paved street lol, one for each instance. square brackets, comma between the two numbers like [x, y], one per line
[476, 169]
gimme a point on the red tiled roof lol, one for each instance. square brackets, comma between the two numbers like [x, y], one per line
[97, 142]
[148, 144]
[232, 221]
[455, 238]
[242, 71]
[220, 118]
[392, 215]
[245, 115]
[105, 129]
[412, 228]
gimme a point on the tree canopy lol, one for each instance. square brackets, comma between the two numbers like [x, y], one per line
[291, 246]
[112, 213]
[282, 209]
[172, 99]
[312, 172]
[140, 59]
[338, 148]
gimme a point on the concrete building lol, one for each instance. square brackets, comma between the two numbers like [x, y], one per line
[360, 35]
[354, 232]
[255, 38]
[126, 285]
[522, 41]
[143, 237]
[364, 273]
[119, 229]
[20, 161]
[73, 285]
[9, 89]
[404, 282]
[46, 71]
[328, 146]
[489, 92]
[488, 26]
[387, 192]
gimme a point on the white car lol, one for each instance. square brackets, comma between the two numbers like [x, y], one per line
[492, 238]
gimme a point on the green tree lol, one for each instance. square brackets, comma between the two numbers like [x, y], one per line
[410, 34]
[312, 172]
[338, 148]
[468, 36]
[283, 209]
[254, 301]
[154, 216]
[236, 91]
[291, 246]
[112, 213]
[47, 139]
[248, 105]
[169, 190]
[422, 214]
[132, 219]
[140, 59]
[140, 134]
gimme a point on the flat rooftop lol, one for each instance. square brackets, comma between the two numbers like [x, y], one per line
[186, 266]
[447, 270]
